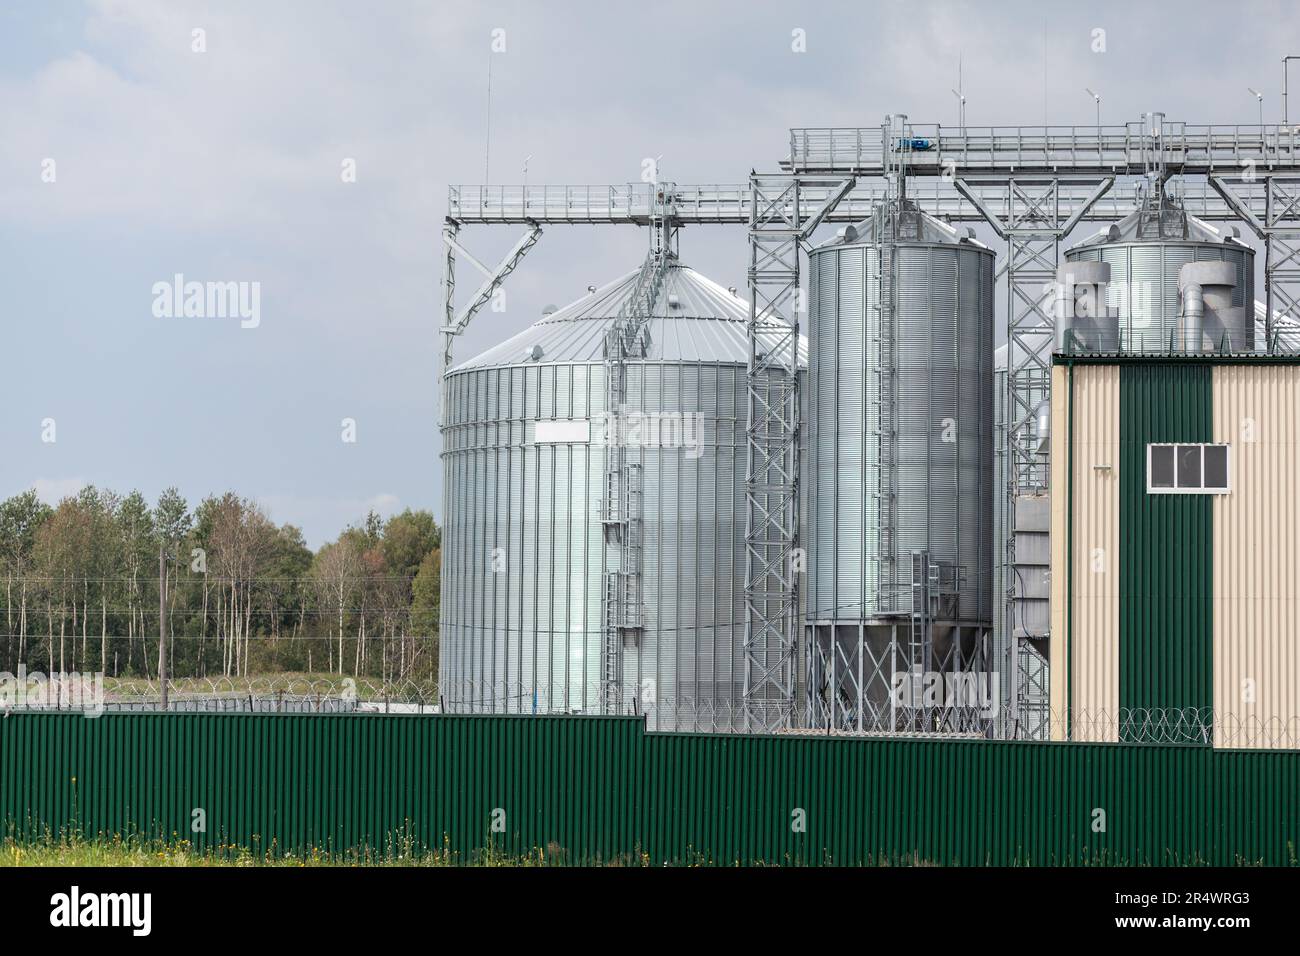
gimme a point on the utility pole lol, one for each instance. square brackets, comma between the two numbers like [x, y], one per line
[1285, 61]
[162, 620]
[1096, 98]
[960, 93]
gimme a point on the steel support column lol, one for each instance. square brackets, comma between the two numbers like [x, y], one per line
[450, 229]
[1033, 221]
[778, 230]
[772, 469]
[456, 323]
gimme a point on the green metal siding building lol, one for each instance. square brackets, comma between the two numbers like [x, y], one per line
[1174, 546]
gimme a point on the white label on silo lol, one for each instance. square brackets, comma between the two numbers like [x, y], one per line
[553, 432]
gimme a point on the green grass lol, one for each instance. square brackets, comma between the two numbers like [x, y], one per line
[74, 848]
[298, 683]
[117, 851]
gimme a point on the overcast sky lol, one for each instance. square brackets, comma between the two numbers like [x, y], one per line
[228, 164]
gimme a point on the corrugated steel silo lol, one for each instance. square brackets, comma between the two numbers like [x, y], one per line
[1145, 251]
[525, 558]
[900, 421]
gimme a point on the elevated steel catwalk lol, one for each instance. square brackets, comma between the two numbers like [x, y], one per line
[730, 204]
[1050, 150]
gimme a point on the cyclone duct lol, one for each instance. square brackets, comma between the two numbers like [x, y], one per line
[899, 458]
[530, 578]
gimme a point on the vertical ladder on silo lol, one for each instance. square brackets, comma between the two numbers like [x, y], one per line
[627, 338]
[613, 519]
[885, 229]
[886, 517]
[887, 514]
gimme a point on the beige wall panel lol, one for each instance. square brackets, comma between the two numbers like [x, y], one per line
[1093, 671]
[1257, 558]
[1095, 652]
[1056, 644]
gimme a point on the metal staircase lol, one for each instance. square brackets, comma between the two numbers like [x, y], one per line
[925, 605]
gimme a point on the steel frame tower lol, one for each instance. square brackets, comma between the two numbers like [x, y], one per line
[779, 230]
[1032, 186]
[1032, 221]
[1269, 204]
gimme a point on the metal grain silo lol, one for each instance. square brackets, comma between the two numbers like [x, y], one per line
[899, 450]
[530, 575]
[1145, 252]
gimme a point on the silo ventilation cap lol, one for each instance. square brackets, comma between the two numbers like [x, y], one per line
[533, 354]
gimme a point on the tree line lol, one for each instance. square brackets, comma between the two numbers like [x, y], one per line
[90, 584]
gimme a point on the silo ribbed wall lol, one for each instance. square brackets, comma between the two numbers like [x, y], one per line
[521, 626]
[936, 378]
[1144, 288]
[522, 542]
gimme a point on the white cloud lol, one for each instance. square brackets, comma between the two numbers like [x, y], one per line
[383, 504]
[53, 490]
[225, 165]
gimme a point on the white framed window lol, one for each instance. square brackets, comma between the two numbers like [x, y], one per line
[1188, 469]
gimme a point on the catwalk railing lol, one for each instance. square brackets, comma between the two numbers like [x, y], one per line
[1131, 149]
[729, 204]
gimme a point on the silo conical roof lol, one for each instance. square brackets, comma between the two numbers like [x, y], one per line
[1128, 230]
[694, 319]
[914, 225]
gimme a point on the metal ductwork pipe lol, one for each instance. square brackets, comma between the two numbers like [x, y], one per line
[1207, 312]
[1083, 321]
[1193, 318]
[1064, 314]
[1043, 434]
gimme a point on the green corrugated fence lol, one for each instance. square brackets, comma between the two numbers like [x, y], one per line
[603, 789]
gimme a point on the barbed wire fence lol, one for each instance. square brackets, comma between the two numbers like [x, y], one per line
[333, 694]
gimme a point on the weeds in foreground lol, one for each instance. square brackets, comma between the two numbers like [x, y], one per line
[72, 847]
[73, 850]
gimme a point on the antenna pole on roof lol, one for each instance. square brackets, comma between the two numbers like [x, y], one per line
[487, 136]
